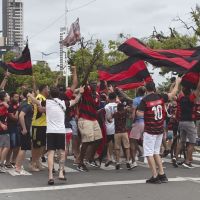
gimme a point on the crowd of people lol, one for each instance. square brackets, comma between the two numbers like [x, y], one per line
[102, 123]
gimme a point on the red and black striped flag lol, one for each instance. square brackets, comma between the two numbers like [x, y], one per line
[21, 65]
[129, 74]
[179, 60]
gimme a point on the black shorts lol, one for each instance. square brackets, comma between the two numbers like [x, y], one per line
[110, 138]
[25, 141]
[39, 136]
[56, 141]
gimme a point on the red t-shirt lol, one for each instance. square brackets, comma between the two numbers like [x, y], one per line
[3, 116]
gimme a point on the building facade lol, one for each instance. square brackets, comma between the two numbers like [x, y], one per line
[62, 53]
[13, 22]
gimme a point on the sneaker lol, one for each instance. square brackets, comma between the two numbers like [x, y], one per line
[117, 166]
[165, 153]
[43, 159]
[134, 164]
[180, 162]
[9, 166]
[163, 178]
[2, 169]
[129, 166]
[20, 172]
[174, 163]
[153, 180]
[92, 164]
[108, 163]
[188, 165]
[82, 168]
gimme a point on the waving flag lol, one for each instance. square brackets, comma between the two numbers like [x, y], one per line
[21, 65]
[129, 74]
[73, 36]
[179, 60]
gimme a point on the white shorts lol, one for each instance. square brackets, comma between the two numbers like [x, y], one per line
[152, 144]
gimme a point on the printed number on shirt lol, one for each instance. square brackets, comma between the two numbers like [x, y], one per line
[158, 112]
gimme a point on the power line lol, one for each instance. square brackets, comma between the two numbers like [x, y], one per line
[70, 10]
[84, 5]
[47, 27]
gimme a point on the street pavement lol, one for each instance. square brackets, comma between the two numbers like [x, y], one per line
[103, 183]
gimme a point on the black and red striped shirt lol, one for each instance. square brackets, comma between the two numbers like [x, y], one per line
[186, 109]
[153, 106]
[89, 105]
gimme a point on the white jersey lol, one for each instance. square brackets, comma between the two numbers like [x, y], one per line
[110, 109]
[55, 116]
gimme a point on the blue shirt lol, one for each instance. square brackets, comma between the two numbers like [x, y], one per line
[136, 103]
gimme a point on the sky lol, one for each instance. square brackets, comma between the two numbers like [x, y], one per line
[102, 19]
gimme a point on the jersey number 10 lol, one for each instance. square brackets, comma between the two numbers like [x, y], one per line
[157, 112]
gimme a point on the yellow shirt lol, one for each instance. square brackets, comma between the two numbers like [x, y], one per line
[39, 119]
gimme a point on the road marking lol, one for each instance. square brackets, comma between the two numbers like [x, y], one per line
[12, 172]
[56, 166]
[195, 180]
[86, 185]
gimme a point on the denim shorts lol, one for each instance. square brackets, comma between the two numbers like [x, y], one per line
[14, 137]
[74, 127]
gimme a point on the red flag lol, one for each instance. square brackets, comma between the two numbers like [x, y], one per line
[20, 66]
[180, 60]
[129, 74]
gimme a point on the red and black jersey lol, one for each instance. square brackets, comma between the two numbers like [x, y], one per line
[186, 109]
[89, 105]
[153, 106]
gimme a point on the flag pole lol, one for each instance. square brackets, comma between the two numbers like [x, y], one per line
[66, 60]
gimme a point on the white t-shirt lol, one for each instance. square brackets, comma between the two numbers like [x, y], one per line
[110, 109]
[55, 116]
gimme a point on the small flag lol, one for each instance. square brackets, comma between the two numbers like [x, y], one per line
[73, 36]
[129, 74]
[21, 65]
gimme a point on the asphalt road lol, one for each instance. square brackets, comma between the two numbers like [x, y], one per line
[103, 183]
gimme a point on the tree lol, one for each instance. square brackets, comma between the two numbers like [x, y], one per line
[195, 16]
[83, 57]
